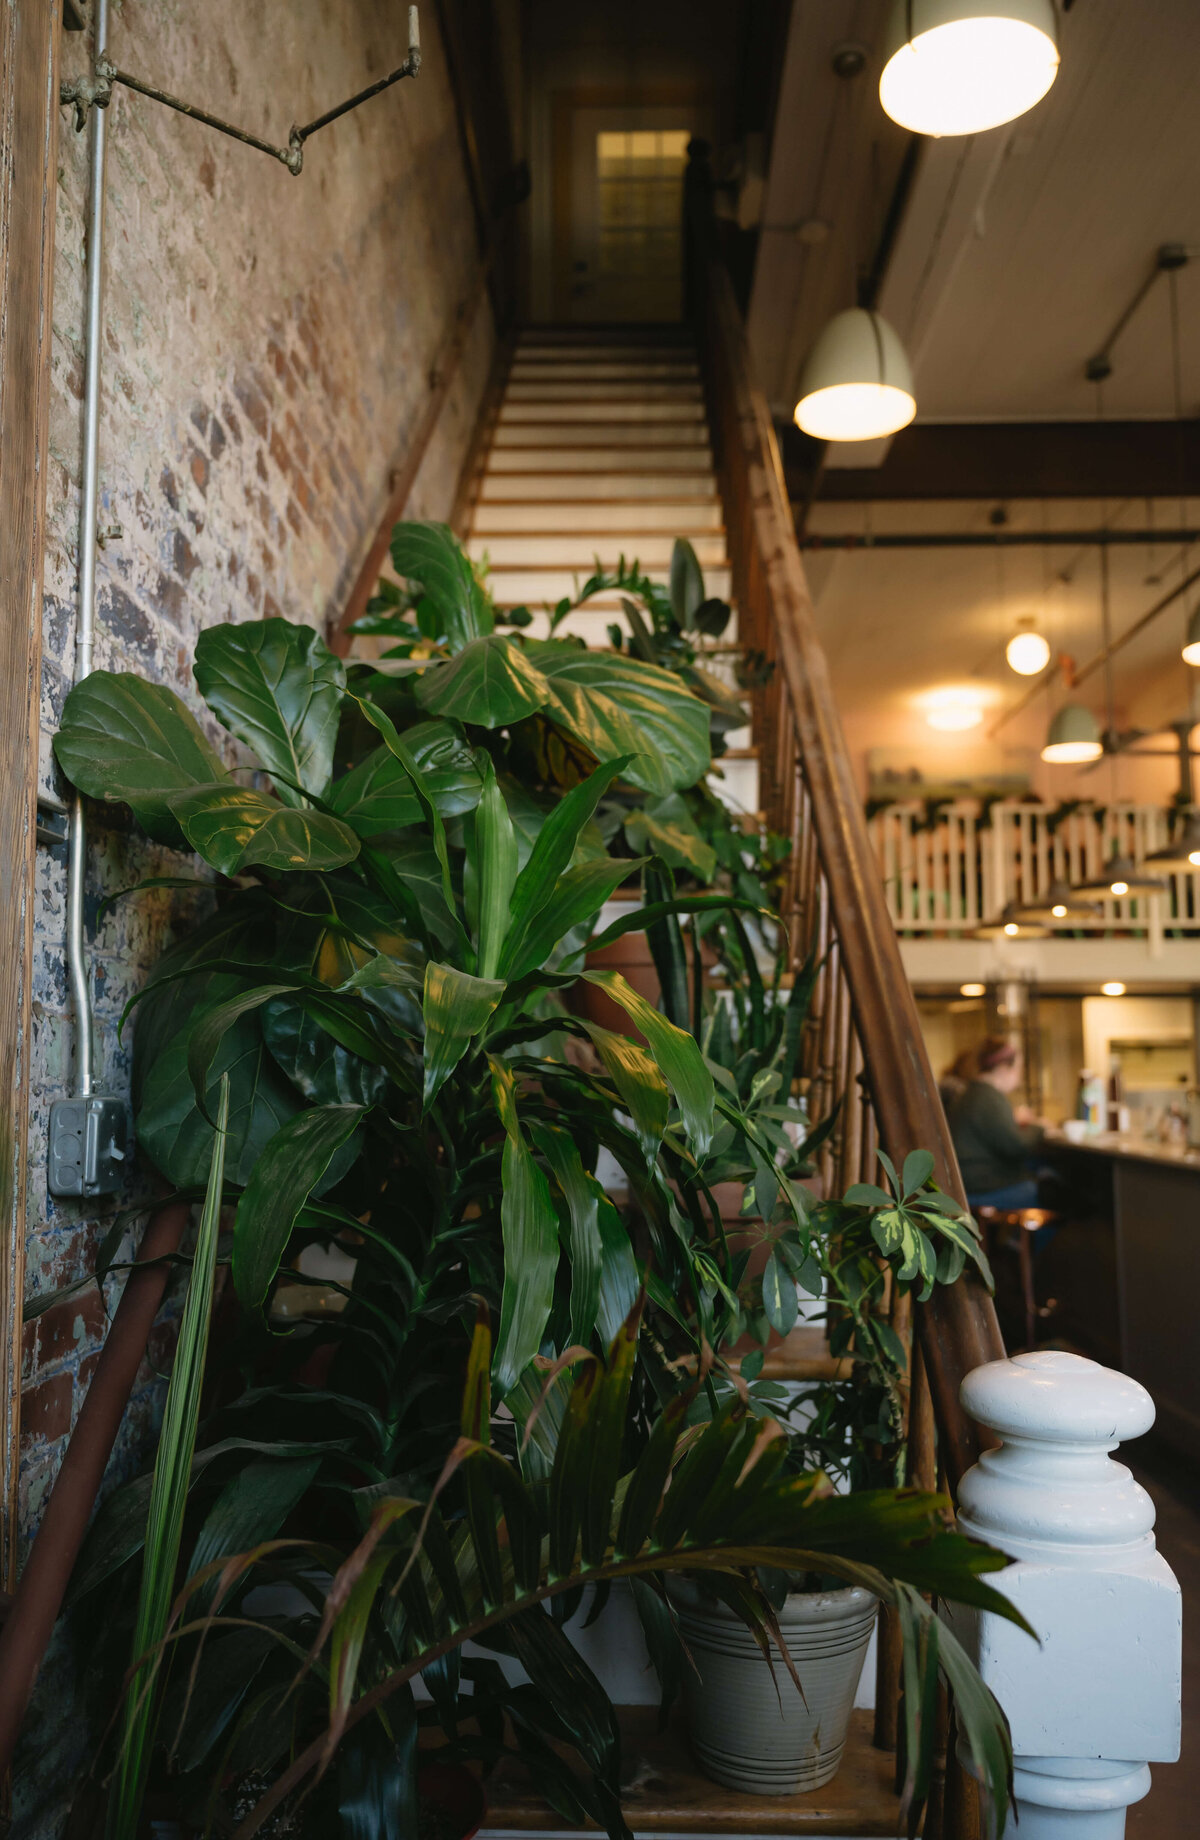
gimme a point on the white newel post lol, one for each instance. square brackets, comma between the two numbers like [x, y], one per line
[1098, 1700]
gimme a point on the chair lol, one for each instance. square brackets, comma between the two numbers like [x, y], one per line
[1020, 1225]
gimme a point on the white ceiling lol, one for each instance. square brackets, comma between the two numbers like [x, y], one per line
[1020, 248]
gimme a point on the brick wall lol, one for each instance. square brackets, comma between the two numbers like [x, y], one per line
[267, 348]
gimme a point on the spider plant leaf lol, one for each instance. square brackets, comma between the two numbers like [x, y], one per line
[552, 854]
[583, 1196]
[277, 687]
[168, 1501]
[492, 862]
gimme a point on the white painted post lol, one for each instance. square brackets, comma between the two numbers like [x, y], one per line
[1098, 1699]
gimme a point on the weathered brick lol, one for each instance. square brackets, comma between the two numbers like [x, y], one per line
[46, 1408]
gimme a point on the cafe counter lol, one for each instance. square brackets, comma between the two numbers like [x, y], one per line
[1154, 1193]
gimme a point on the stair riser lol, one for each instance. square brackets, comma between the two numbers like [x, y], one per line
[685, 520]
[609, 445]
[607, 409]
[682, 397]
[611, 370]
[600, 488]
[536, 587]
[565, 550]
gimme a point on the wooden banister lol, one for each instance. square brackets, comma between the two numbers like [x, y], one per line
[866, 1035]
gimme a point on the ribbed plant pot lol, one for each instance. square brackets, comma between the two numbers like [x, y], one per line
[743, 1733]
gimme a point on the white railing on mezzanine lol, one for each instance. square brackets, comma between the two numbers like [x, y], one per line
[951, 875]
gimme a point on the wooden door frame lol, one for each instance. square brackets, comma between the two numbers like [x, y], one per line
[29, 37]
[563, 104]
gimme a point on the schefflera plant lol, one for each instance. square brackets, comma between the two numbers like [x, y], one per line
[380, 983]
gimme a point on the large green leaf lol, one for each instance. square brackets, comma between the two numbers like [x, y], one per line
[429, 554]
[456, 1006]
[676, 1054]
[278, 688]
[687, 583]
[578, 896]
[529, 1225]
[235, 827]
[582, 1196]
[553, 850]
[177, 1137]
[251, 1507]
[490, 683]
[665, 827]
[619, 705]
[285, 1175]
[124, 738]
[492, 869]
[317, 1065]
[639, 1083]
[377, 795]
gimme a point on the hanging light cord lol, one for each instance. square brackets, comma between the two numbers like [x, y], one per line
[1177, 392]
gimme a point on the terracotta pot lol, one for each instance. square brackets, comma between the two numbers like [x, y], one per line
[743, 1733]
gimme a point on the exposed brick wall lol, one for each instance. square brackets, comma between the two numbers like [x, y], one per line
[267, 348]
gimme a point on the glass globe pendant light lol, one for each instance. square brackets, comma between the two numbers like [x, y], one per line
[1191, 645]
[856, 384]
[963, 66]
[1028, 651]
[1074, 737]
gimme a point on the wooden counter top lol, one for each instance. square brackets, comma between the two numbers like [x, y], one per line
[1130, 1149]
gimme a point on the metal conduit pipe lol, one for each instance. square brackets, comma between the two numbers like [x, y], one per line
[43, 1583]
[85, 630]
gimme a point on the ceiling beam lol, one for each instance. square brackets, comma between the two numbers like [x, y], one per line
[1008, 460]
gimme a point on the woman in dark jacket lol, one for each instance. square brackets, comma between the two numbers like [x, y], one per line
[994, 1145]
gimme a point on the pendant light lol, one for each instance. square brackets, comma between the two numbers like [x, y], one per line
[1191, 645]
[1028, 651]
[1060, 902]
[856, 384]
[1181, 856]
[1074, 736]
[1119, 878]
[963, 66]
[1011, 924]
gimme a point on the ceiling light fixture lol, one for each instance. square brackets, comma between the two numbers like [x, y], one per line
[1120, 877]
[1182, 855]
[1059, 902]
[1074, 736]
[1115, 989]
[952, 710]
[1011, 924]
[963, 66]
[972, 990]
[856, 384]
[1191, 645]
[1028, 651]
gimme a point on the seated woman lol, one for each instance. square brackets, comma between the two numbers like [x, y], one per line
[994, 1145]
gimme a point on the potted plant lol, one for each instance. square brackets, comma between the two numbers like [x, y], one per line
[770, 1736]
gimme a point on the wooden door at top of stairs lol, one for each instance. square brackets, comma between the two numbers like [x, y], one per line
[619, 211]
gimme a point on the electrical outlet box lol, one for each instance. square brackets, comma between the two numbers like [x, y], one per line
[88, 1146]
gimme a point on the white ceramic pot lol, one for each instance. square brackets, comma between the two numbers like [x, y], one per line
[743, 1732]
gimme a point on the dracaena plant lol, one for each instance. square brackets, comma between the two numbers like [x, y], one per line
[511, 1530]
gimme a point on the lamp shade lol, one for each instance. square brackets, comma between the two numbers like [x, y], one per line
[856, 384]
[1120, 878]
[1181, 856]
[1060, 902]
[962, 66]
[1074, 736]
[1191, 645]
[1011, 924]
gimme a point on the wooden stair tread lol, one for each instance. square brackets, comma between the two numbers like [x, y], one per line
[672, 1797]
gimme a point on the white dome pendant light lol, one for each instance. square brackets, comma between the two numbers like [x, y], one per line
[1028, 651]
[963, 66]
[856, 384]
[1191, 645]
[1074, 737]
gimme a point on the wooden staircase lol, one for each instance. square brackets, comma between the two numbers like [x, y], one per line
[600, 448]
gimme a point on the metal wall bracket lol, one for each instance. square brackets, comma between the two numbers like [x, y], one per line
[88, 1146]
[84, 94]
